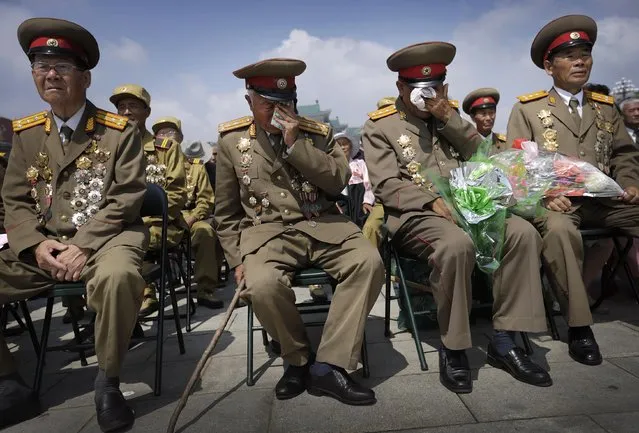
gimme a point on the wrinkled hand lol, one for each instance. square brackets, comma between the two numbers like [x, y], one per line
[440, 208]
[239, 274]
[46, 254]
[439, 106]
[190, 220]
[287, 119]
[367, 208]
[74, 258]
[558, 204]
[631, 195]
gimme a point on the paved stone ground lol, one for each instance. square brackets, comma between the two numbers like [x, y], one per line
[582, 399]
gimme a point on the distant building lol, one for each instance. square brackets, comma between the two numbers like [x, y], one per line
[316, 113]
[6, 130]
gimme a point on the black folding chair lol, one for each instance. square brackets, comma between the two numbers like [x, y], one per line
[155, 203]
[304, 277]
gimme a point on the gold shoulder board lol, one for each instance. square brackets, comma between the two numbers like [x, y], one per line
[234, 124]
[197, 161]
[532, 96]
[111, 120]
[453, 103]
[310, 125]
[163, 143]
[501, 137]
[599, 97]
[29, 121]
[382, 112]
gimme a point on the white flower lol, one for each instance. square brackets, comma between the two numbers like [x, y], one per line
[243, 144]
[404, 140]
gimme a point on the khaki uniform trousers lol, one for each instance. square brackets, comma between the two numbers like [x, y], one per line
[518, 300]
[204, 244]
[372, 229]
[563, 248]
[174, 236]
[114, 291]
[354, 263]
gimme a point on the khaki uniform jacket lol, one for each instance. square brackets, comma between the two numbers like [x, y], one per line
[602, 140]
[499, 142]
[165, 167]
[96, 189]
[199, 193]
[243, 221]
[401, 148]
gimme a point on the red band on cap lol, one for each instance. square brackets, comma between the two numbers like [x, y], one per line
[567, 37]
[275, 83]
[483, 101]
[56, 42]
[423, 71]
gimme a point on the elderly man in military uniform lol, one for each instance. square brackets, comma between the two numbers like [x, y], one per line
[164, 164]
[481, 106]
[422, 133]
[73, 191]
[198, 214]
[587, 126]
[168, 127]
[276, 172]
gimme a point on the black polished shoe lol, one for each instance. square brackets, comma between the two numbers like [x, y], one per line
[18, 402]
[113, 412]
[583, 348]
[292, 383]
[209, 300]
[519, 365]
[454, 372]
[339, 385]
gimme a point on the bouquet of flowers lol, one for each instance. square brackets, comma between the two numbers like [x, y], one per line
[478, 194]
[536, 173]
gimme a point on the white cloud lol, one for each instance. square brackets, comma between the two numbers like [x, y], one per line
[126, 50]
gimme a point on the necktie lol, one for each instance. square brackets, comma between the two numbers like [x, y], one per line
[65, 136]
[277, 144]
[574, 113]
[636, 131]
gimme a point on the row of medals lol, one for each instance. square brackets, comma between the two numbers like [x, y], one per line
[88, 176]
[308, 191]
[602, 145]
[155, 173]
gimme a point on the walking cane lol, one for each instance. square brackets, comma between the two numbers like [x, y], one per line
[202, 364]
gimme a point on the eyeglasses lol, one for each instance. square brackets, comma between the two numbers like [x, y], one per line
[43, 68]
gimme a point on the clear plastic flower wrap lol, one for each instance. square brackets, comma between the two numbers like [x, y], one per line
[479, 194]
[537, 173]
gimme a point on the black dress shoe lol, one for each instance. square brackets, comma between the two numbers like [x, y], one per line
[454, 372]
[292, 383]
[18, 402]
[583, 348]
[519, 365]
[113, 412]
[339, 385]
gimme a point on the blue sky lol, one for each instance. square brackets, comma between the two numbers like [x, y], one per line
[184, 52]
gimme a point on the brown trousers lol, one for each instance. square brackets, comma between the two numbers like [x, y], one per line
[518, 301]
[354, 263]
[114, 291]
[204, 243]
[563, 248]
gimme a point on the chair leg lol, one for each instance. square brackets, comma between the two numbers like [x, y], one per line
[527, 344]
[411, 316]
[366, 372]
[11, 308]
[388, 288]
[623, 261]
[552, 324]
[176, 318]
[78, 340]
[249, 347]
[30, 327]
[265, 339]
[46, 325]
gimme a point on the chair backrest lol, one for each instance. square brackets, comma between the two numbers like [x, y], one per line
[155, 202]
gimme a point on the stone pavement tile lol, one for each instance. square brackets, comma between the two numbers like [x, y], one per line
[229, 344]
[403, 402]
[616, 339]
[55, 421]
[568, 424]
[627, 422]
[630, 364]
[239, 411]
[577, 389]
